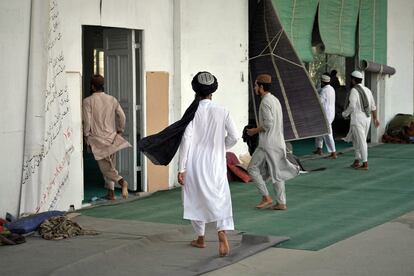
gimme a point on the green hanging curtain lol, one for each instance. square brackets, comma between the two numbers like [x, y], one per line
[297, 17]
[373, 31]
[337, 26]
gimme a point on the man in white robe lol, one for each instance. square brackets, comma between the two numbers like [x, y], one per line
[269, 158]
[327, 98]
[202, 165]
[103, 125]
[360, 106]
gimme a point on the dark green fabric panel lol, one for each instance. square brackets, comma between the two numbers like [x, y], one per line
[297, 17]
[373, 31]
[337, 26]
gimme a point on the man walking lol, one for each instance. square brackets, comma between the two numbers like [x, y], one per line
[269, 157]
[327, 98]
[103, 124]
[360, 106]
[202, 165]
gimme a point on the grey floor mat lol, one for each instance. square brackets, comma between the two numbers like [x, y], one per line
[128, 248]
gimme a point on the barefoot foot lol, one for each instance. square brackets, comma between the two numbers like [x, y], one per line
[224, 247]
[199, 243]
[266, 202]
[124, 185]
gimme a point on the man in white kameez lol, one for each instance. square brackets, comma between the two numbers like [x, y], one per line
[103, 125]
[360, 106]
[269, 158]
[327, 98]
[202, 165]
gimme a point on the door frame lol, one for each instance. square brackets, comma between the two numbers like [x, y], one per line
[138, 98]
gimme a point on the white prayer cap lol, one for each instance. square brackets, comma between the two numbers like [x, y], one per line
[325, 78]
[357, 74]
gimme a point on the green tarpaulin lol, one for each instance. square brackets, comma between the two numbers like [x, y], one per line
[297, 17]
[337, 21]
[337, 26]
[372, 31]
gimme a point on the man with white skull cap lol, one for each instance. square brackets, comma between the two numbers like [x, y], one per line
[360, 105]
[327, 98]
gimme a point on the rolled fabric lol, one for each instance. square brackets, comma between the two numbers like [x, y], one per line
[373, 67]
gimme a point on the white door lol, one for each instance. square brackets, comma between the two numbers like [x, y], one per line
[120, 83]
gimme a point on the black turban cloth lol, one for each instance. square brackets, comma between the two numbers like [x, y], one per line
[160, 148]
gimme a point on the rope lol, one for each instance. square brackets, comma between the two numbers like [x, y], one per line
[291, 22]
[268, 46]
[272, 52]
[373, 30]
[340, 26]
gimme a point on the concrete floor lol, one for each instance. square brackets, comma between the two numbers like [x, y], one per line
[386, 250]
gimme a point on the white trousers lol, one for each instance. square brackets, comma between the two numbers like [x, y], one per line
[359, 142]
[221, 225]
[328, 139]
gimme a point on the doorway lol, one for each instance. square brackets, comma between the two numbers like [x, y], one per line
[116, 54]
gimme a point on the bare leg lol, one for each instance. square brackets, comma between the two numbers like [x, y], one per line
[224, 247]
[332, 155]
[110, 195]
[318, 151]
[124, 186]
[258, 161]
[364, 166]
[266, 202]
[356, 164]
[199, 242]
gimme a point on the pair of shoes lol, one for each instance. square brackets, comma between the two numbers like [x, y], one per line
[280, 207]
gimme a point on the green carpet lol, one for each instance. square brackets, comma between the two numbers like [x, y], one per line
[324, 207]
[306, 146]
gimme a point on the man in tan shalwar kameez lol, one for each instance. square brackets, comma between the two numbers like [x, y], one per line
[103, 124]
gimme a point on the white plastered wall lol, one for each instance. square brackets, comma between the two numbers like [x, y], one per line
[14, 47]
[213, 37]
[399, 93]
[153, 17]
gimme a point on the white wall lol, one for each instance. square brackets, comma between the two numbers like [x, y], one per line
[214, 38]
[399, 94]
[212, 35]
[153, 17]
[14, 47]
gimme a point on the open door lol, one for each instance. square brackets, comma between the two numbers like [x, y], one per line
[119, 48]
